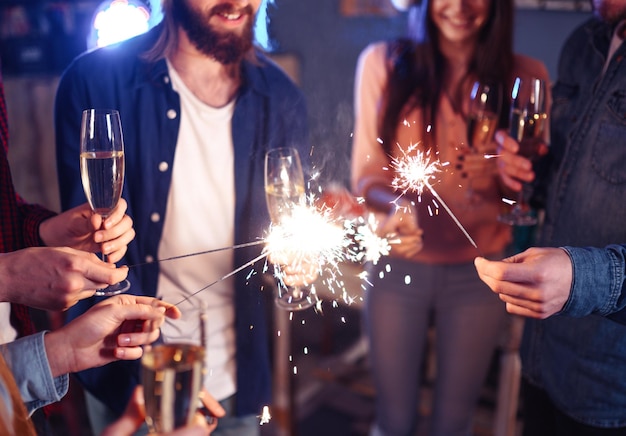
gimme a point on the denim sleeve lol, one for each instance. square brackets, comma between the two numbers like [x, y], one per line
[27, 359]
[597, 282]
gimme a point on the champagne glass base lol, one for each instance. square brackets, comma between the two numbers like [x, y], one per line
[115, 289]
[294, 300]
[514, 219]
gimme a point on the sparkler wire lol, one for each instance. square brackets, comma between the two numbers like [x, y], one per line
[214, 250]
[232, 273]
[454, 218]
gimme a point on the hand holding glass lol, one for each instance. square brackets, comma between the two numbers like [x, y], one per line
[173, 372]
[528, 121]
[284, 189]
[102, 168]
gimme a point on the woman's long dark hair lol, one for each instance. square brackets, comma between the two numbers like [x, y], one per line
[417, 66]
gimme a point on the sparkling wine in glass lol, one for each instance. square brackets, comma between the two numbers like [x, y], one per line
[482, 121]
[528, 122]
[173, 371]
[102, 168]
[284, 189]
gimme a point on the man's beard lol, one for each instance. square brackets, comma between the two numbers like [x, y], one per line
[225, 47]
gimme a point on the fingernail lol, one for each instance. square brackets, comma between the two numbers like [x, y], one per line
[123, 339]
[119, 353]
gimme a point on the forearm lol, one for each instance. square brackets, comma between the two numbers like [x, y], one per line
[598, 280]
[28, 360]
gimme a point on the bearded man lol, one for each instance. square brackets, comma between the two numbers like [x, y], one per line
[200, 106]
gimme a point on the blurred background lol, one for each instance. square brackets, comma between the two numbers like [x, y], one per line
[322, 380]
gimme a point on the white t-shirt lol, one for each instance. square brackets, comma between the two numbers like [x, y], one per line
[7, 332]
[200, 217]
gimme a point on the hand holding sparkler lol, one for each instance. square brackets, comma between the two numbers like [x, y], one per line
[296, 270]
[401, 226]
[535, 283]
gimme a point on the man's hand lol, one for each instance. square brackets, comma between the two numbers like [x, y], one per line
[135, 414]
[535, 283]
[82, 229]
[53, 278]
[114, 329]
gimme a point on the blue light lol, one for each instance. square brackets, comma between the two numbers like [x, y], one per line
[118, 20]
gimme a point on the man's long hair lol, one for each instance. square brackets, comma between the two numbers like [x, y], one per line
[417, 67]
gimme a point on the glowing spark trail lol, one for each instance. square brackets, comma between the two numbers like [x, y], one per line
[313, 239]
[414, 172]
[370, 246]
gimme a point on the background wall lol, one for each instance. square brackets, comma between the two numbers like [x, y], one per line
[325, 45]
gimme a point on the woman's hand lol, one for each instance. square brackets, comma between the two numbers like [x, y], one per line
[402, 231]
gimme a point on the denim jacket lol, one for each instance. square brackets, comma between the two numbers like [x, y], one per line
[581, 361]
[269, 111]
[598, 285]
[28, 361]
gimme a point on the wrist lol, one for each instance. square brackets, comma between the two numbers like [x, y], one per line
[60, 354]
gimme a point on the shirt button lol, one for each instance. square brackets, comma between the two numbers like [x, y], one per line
[149, 259]
[163, 166]
[166, 79]
[155, 217]
[171, 114]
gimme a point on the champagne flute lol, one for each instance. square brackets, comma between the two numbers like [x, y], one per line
[173, 370]
[284, 189]
[528, 121]
[102, 168]
[482, 121]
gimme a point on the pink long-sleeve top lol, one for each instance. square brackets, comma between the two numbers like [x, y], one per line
[444, 242]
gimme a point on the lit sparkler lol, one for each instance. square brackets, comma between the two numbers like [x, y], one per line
[414, 172]
[312, 238]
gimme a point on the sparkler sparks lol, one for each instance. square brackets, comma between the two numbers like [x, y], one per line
[414, 173]
[370, 246]
[313, 240]
[265, 416]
